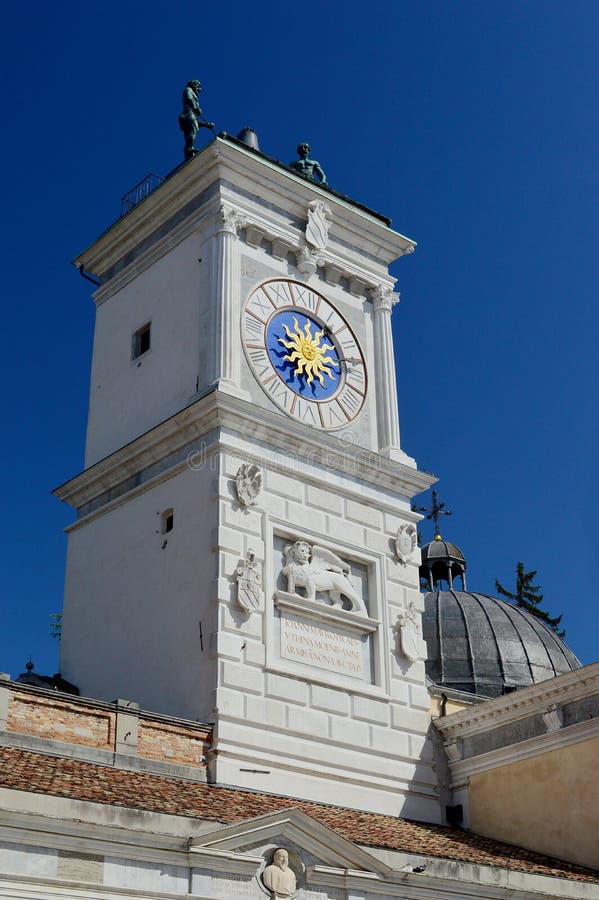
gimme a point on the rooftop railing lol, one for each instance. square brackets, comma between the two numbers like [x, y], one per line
[140, 192]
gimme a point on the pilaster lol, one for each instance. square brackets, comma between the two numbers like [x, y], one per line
[383, 301]
[225, 300]
[127, 717]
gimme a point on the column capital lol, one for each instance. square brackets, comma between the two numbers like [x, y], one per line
[383, 298]
[230, 220]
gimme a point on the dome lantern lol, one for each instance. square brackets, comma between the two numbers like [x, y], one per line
[442, 561]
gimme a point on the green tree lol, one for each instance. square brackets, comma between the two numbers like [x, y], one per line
[528, 597]
[56, 625]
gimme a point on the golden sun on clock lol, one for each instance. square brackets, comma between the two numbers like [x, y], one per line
[304, 354]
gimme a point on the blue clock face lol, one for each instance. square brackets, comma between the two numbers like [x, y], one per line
[304, 354]
[301, 351]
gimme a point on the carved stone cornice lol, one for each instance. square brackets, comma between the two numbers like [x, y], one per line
[533, 700]
[185, 194]
[383, 298]
[308, 259]
[462, 768]
[193, 423]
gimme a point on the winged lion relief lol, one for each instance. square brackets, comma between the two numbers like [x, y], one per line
[315, 569]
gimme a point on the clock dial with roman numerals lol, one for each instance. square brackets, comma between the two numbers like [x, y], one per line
[304, 354]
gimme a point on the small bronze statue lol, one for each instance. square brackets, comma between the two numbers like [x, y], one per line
[190, 120]
[308, 167]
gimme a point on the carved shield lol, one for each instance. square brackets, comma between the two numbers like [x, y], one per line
[405, 542]
[410, 641]
[248, 594]
[248, 483]
[317, 229]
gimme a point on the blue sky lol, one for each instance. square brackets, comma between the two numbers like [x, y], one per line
[472, 125]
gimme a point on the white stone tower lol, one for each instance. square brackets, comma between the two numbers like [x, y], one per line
[244, 549]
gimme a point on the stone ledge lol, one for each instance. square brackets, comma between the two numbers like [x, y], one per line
[342, 618]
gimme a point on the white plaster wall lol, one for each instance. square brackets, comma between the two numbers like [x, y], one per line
[128, 397]
[132, 609]
[144, 876]
[344, 741]
[20, 859]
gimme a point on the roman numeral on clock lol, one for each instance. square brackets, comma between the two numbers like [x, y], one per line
[356, 377]
[304, 297]
[254, 327]
[331, 416]
[261, 304]
[277, 390]
[279, 293]
[307, 412]
[350, 401]
[259, 359]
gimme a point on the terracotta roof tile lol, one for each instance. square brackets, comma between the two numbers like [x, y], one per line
[28, 771]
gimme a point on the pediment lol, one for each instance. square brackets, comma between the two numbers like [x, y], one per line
[244, 843]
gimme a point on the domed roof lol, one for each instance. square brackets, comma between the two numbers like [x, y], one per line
[486, 646]
[440, 549]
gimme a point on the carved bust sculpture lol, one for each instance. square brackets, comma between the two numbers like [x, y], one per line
[318, 569]
[278, 877]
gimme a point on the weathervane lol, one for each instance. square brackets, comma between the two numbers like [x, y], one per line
[434, 512]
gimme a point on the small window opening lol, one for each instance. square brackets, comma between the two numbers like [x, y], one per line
[141, 341]
[167, 521]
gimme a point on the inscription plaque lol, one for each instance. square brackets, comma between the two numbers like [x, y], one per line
[235, 886]
[325, 646]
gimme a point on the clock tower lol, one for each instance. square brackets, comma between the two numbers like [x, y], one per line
[244, 548]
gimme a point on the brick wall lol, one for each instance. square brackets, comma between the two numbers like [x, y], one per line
[171, 743]
[60, 720]
[41, 713]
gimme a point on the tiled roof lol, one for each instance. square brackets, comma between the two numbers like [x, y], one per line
[27, 771]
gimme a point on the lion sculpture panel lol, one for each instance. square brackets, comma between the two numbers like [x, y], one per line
[318, 569]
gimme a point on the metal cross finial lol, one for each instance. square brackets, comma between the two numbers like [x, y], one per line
[435, 511]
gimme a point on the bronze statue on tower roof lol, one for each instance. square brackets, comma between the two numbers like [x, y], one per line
[190, 118]
[309, 168]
